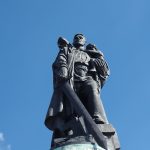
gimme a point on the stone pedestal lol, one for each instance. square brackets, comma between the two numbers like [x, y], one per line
[79, 147]
[88, 142]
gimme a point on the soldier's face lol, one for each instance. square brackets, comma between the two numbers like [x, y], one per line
[79, 40]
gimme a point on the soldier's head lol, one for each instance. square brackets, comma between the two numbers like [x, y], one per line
[79, 40]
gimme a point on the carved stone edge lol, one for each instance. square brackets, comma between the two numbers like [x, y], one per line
[111, 136]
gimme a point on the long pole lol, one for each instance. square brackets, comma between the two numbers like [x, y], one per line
[81, 110]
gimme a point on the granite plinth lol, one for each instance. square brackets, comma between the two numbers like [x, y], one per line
[80, 147]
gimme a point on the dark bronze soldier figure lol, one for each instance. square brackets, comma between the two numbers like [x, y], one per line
[86, 70]
[87, 78]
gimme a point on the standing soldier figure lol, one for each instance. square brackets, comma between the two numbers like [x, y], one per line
[86, 70]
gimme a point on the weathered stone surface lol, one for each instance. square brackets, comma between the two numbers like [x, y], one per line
[80, 147]
[116, 141]
[107, 129]
[113, 142]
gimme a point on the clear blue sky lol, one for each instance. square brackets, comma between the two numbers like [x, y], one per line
[28, 34]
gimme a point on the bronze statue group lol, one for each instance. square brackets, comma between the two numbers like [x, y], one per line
[84, 68]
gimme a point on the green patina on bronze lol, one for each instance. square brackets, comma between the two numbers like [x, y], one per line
[80, 147]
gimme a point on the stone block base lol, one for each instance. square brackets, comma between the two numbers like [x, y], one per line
[80, 147]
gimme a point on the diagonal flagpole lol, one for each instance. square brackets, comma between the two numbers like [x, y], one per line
[81, 110]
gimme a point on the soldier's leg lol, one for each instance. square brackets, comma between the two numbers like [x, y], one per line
[92, 101]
